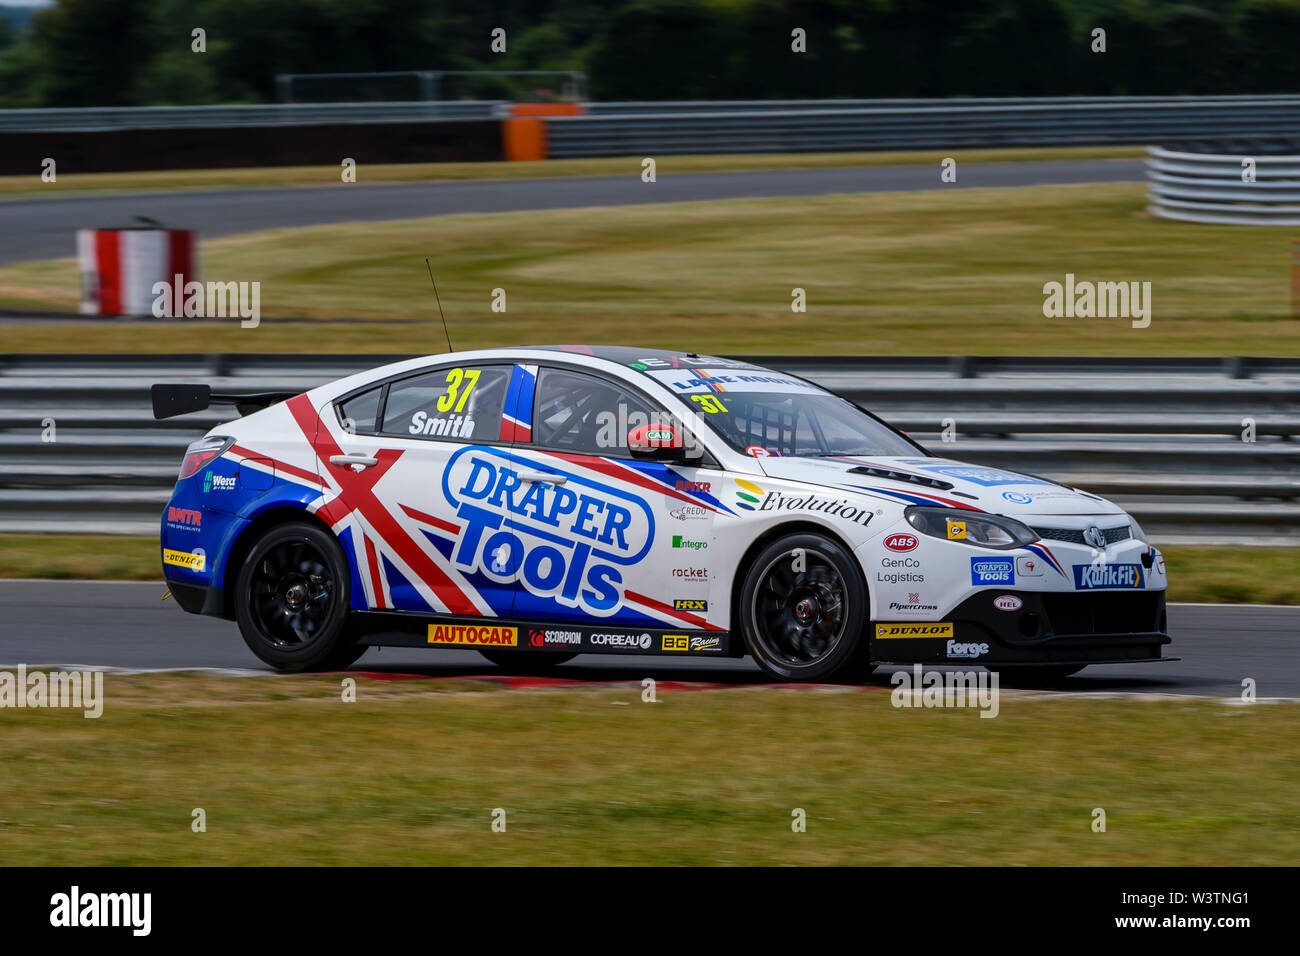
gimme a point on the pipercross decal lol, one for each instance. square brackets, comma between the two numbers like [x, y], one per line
[566, 539]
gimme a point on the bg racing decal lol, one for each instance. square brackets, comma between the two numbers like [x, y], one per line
[562, 535]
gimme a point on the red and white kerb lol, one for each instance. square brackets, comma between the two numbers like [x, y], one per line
[119, 268]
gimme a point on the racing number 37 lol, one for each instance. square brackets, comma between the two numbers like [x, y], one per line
[455, 378]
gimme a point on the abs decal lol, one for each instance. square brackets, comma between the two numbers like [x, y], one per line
[567, 540]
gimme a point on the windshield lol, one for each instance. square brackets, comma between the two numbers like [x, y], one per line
[767, 413]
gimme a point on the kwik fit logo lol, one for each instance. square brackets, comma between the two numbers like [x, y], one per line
[1089, 577]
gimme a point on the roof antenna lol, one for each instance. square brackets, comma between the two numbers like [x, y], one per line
[439, 299]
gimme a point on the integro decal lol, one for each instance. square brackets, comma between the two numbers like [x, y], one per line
[563, 541]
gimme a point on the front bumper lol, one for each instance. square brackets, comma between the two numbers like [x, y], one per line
[1103, 627]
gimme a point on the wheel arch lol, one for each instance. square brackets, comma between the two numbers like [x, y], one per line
[258, 526]
[762, 541]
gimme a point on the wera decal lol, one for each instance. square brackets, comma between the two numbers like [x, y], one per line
[475, 636]
[913, 630]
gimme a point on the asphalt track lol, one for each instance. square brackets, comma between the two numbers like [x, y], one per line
[128, 625]
[45, 227]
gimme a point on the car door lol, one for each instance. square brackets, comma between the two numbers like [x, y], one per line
[608, 538]
[405, 450]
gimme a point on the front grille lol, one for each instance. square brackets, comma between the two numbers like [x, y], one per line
[1113, 535]
[1138, 613]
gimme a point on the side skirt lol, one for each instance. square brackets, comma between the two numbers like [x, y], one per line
[404, 629]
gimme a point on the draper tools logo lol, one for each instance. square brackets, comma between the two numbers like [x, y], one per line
[992, 571]
[1090, 577]
[566, 539]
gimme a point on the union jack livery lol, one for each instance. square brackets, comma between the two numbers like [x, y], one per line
[536, 503]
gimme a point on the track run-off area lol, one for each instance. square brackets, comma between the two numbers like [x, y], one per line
[128, 625]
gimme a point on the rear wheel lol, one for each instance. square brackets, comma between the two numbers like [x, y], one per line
[526, 662]
[803, 610]
[291, 600]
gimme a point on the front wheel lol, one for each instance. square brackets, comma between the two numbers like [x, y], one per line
[291, 600]
[803, 610]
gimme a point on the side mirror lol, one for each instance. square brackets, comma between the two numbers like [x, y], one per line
[657, 442]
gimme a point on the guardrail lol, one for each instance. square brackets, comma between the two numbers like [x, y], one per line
[1228, 189]
[717, 126]
[85, 119]
[647, 129]
[1163, 437]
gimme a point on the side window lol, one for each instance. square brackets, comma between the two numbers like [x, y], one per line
[357, 414]
[586, 414]
[463, 403]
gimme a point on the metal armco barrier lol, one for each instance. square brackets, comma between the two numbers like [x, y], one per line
[721, 126]
[829, 126]
[284, 114]
[1164, 437]
[1228, 189]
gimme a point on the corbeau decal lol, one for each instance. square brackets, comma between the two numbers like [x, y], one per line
[565, 540]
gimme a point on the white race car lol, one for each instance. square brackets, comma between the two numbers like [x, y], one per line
[536, 503]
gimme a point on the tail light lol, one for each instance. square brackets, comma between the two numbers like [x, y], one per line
[203, 452]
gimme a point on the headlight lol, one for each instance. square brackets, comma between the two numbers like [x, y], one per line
[970, 527]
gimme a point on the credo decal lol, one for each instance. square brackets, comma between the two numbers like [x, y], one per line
[564, 541]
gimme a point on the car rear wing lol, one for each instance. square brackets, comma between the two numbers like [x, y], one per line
[172, 400]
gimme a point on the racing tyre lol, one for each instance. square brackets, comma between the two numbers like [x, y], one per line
[803, 610]
[526, 662]
[1035, 676]
[291, 600]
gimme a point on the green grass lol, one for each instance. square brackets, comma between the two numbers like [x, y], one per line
[268, 176]
[958, 272]
[411, 772]
[1199, 574]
